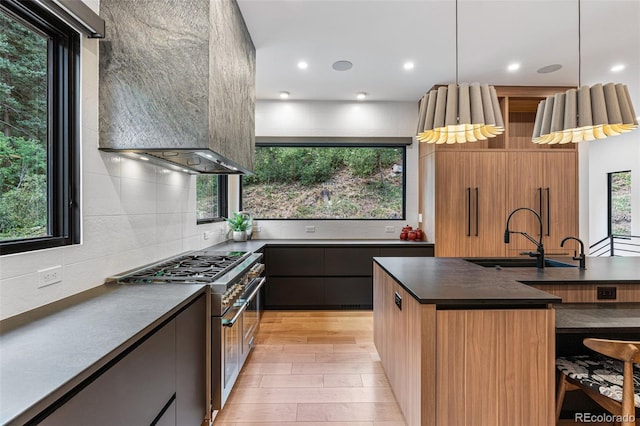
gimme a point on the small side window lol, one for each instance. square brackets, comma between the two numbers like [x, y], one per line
[211, 198]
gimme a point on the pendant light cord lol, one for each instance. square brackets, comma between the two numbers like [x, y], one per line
[457, 42]
[579, 48]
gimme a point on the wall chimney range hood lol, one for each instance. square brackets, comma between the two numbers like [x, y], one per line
[177, 84]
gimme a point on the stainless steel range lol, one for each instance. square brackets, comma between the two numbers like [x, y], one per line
[234, 279]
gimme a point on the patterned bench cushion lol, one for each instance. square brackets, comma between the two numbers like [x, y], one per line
[599, 373]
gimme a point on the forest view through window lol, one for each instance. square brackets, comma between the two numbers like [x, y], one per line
[23, 131]
[620, 203]
[327, 182]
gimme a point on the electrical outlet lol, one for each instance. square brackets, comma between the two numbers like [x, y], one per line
[50, 276]
[206, 235]
[310, 228]
[389, 229]
[606, 293]
[257, 228]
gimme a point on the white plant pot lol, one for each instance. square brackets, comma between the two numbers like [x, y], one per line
[239, 235]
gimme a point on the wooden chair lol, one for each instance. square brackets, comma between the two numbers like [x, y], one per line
[593, 373]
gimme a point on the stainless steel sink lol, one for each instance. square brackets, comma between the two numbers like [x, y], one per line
[512, 262]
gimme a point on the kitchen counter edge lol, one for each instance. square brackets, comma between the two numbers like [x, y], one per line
[30, 344]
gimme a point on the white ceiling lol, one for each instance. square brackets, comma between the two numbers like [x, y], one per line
[378, 36]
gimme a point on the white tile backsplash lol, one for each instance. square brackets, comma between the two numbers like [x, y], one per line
[138, 196]
[106, 200]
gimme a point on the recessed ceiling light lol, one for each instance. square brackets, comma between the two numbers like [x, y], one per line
[284, 95]
[361, 96]
[303, 65]
[342, 65]
[549, 68]
[513, 67]
[617, 68]
[408, 65]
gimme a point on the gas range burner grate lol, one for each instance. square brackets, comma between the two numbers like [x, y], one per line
[199, 267]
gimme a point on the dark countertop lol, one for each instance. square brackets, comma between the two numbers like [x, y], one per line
[596, 318]
[46, 357]
[254, 245]
[452, 281]
[599, 270]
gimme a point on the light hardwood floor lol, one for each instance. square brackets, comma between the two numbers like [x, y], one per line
[313, 368]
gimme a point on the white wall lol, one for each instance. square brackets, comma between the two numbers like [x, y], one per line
[132, 214]
[613, 154]
[342, 119]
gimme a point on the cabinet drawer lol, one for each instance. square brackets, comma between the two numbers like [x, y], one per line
[294, 292]
[423, 251]
[296, 261]
[350, 261]
[132, 392]
[354, 291]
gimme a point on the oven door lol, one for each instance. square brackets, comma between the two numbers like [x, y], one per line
[251, 316]
[228, 355]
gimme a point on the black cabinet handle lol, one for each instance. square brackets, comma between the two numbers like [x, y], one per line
[548, 212]
[476, 211]
[540, 201]
[469, 212]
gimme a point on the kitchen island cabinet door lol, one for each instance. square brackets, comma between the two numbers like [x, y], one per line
[131, 392]
[498, 366]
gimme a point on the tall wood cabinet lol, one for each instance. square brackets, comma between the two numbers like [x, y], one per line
[547, 183]
[471, 189]
[468, 190]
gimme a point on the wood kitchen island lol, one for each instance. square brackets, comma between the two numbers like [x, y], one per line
[462, 344]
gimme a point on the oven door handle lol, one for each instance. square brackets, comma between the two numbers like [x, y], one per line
[232, 321]
[255, 291]
[242, 305]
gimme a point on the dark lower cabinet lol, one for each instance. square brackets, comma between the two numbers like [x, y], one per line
[328, 277]
[296, 261]
[160, 381]
[167, 417]
[132, 392]
[407, 251]
[349, 261]
[298, 292]
[191, 364]
[348, 292]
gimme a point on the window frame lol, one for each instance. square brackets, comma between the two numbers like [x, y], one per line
[609, 199]
[312, 142]
[63, 118]
[223, 201]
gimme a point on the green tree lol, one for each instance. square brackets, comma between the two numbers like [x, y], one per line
[23, 131]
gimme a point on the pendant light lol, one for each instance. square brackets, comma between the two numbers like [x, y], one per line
[586, 113]
[459, 113]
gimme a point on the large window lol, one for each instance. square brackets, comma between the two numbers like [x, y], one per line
[211, 198]
[326, 182]
[620, 203]
[39, 57]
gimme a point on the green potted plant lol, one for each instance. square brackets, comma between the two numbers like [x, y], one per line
[239, 224]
